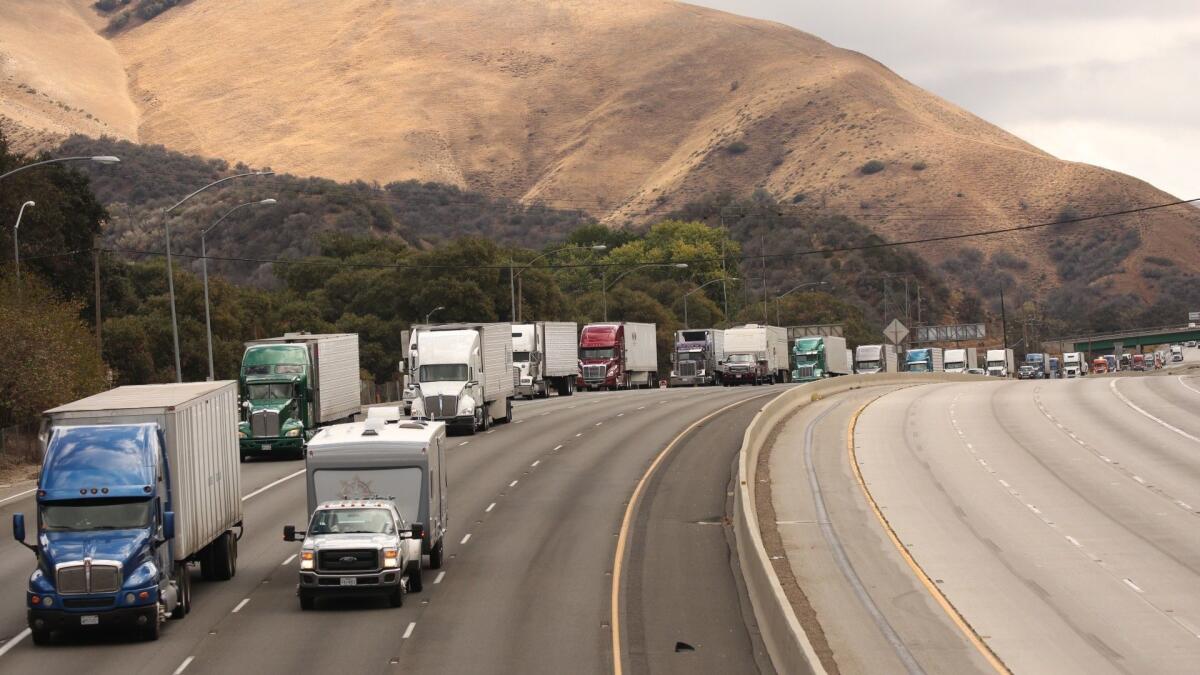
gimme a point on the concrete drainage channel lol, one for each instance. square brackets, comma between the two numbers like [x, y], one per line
[786, 642]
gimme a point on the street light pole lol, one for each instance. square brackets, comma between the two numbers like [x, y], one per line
[605, 287]
[16, 246]
[804, 285]
[204, 260]
[171, 267]
[512, 289]
[431, 312]
[99, 159]
[685, 295]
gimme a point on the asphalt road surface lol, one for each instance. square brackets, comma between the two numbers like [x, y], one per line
[1061, 518]
[535, 512]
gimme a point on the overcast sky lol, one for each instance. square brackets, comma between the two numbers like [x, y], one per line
[1108, 82]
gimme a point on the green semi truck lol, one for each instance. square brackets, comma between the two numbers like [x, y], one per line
[291, 386]
[816, 357]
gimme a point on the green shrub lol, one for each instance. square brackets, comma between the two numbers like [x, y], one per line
[873, 166]
[1160, 261]
[1008, 261]
[737, 148]
[919, 165]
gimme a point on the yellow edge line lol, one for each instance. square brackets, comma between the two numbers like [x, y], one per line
[623, 537]
[972, 637]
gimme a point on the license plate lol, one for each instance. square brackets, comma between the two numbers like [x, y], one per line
[89, 620]
[266, 447]
[349, 581]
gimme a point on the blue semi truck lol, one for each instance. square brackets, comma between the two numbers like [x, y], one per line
[137, 483]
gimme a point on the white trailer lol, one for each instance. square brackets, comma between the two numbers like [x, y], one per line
[199, 422]
[546, 353]
[464, 373]
[876, 359]
[767, 343]
[961, 360]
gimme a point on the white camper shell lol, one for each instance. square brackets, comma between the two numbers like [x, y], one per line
[769, 343]
[402, 461]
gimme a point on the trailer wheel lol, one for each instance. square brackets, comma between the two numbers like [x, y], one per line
[221, 559]
[569, 386]
[435, 556]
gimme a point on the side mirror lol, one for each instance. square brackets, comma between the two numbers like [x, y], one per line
[402, 367]
[289, 533]
[246, 405]
[169, 525]
[19, 528]
[472, 383]
[418, 531]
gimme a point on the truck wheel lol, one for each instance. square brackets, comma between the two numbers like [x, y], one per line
[569, 387]
[41, 636]
[153, 630]
[307, 601]
[415, 583]
[435, 556]
[396, 597]
[508, 410]
[487, 420]
[183, 576]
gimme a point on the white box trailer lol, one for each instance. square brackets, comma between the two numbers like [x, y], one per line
[876, 359]
[768, 342]
[641, 347]
[336, 374]
[547, 354]
[199, 423]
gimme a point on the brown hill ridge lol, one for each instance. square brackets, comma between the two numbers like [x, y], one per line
[620, 107]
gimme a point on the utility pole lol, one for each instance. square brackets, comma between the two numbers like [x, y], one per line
[1003, 318]
[512, 289]
[763, 244]
[96, 284]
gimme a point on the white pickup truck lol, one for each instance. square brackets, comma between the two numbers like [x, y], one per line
[358, 547]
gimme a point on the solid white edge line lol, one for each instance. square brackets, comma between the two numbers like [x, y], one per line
[1132, 585]
[1113, 385]
[268, 486]
[183, 666]
[13, 642]
[409, 631]
[18, 495]
[240, 605]
[441, 575]
[465, 539]
[1185, 384]
[290, 558]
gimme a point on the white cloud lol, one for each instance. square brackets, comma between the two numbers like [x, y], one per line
[1107, 82]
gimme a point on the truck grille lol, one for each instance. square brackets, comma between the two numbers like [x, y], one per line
[264, 423]
[348, 560]
[74, 579]
[438, 407]
[88, 603]
[805, 371]
[687, 369]
[593, 372]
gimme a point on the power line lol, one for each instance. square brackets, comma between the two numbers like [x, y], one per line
[743, 258]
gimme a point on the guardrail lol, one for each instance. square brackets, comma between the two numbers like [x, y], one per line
[784, 637]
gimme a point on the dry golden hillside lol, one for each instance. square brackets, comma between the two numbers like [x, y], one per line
[620, 107]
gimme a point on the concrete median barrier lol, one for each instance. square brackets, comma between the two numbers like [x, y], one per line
[782, 633]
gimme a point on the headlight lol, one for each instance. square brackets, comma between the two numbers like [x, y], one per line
[306, 560]
[293, 433]
[466, 407]
[391, 557]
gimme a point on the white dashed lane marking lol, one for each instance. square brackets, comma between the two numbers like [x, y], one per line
[183, 666]
[441, 575]
[240, 605]
[465, 539]
[289, 559]
[409, 631]
[490, 507]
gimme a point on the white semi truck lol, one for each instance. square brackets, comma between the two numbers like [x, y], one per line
[1074, 364]
[1000, 363]
[546, 354]
[961, 360]
[464, 374]
[870, 359]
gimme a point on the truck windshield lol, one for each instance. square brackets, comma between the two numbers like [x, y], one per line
[597, 353]
[691, 356]
[918, 367]
[995, 364]
[868, 365]
[112, 514]
[444, 372]
[269, 391]
[956, 364]
[352, 521]
[520, 357]
[741, 358]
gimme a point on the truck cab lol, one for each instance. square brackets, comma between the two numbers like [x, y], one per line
[695, 357]
[527, 359]
[999, 362]
[357, 547]
[743, 368]
[808, 359]
[956, 361]
[1100, 366]
[925, 360]
[277, 400]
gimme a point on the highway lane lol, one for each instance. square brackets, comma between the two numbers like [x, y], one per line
[534, 509]
[1048, 513]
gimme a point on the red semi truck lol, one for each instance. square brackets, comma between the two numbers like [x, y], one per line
[618, 356]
